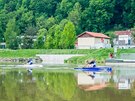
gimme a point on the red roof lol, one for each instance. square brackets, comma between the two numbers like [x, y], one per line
[93, 34]
[127, 32]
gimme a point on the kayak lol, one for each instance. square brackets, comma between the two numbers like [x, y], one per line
[95, 69]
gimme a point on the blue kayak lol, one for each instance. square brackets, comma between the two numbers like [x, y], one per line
[95, 69]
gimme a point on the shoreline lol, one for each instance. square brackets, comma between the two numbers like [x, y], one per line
[19, 60]
[120, 62]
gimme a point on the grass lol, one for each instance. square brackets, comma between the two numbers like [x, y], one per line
[99, 54]
[33, 52]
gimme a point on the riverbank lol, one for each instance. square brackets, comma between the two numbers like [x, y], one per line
[125, 60]
[100, 55]
[22, 60]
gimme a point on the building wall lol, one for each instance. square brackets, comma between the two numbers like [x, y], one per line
[125, 38]
[92, 42]
[102, 40]
[107, 41]
[97, 40]
[124, 41]
[86, 42]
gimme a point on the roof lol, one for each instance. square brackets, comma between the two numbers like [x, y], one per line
[127, 32]
[93, 34]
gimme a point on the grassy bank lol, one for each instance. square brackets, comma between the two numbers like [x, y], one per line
[99, 54]
[33, 52]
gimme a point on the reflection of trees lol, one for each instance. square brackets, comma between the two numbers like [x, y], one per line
[46, 86]
[49, 86]
[108, 94]
[133, 89]
[62, 84]
[9, 86]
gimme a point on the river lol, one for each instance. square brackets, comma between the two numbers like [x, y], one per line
[66, 84]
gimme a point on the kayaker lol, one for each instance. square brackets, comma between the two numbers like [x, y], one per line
[30, 62]
[92, 63]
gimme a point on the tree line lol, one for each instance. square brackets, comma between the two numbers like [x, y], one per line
[56, 23]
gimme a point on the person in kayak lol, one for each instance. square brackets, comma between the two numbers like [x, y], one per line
[30, 62]
[91, 63]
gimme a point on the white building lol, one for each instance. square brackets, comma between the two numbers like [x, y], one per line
[92, 40]
[124, 39]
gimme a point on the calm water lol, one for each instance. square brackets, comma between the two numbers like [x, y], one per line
[66, 85]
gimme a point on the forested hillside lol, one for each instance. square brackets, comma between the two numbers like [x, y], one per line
[56, 23]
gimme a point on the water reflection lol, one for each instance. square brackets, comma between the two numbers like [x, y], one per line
[19, 85]
[44, 86]
[87, 83]
[122, 79]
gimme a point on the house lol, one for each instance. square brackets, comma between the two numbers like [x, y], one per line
[92, 40]
[124, 39]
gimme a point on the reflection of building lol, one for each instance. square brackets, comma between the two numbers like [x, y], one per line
[124, 77]
[86, 83]
[124, 84]
[84, 79]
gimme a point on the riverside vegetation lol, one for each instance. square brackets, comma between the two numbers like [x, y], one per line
[54, 24]
[99, 54]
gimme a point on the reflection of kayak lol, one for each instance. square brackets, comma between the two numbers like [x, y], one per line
[95, 69]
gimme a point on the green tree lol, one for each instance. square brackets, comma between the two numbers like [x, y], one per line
[26, 19]
[27, 39]
[41, 22]
[68, 36]
[48, 43]
[26, 3]
[10, 6]
[53, 37]
[63, 23]
[1, 32]
[75, 16]
[11, 34]
[39, 43]
[3, 22]
[50, 22]
[19, 4]
[49, 38]
[97, 16]
[63, 8]
[128, 13]
[1, 4]
[57, 35]
[86, 15]
[111, 35]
